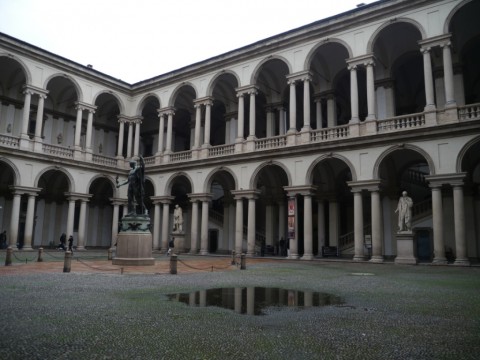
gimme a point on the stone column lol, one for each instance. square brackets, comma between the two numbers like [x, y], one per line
[293, 243]
[161, 129]
[281, 121]
[241, 117]
[318, 113]
[26, 113]
[371, 91]
[306, 103]
[358, 225]
[115, 218]
[78, 128]
[121, 131]
[251, 229]
[70, 215]
[353, 94]
[307, 227]
[129, 140]
[331, 111]
[136, 147]
[428, 79]
[88, 139]
[208, 120]
[81, 225]
[198, 124]
[282, 217]
[15, 217]
[448, 75]
[270, 120]
[321, 225]
[437, 219]
[459, 220]
[28, 237]
[239, 225]
[39, 120]
[194, 228]
[377, 238]
[165, 224]
[333, 222]
[169, 131]
[251, 118]
[204, 229]
[156, 226]
[293, 107]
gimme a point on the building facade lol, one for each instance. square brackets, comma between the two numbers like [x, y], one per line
[307, 139]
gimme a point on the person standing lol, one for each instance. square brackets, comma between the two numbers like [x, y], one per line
[63, 242]
[70, 243]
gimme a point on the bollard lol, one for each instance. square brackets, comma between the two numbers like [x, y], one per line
[233, 257]
[40, 253]
[242, 262]
[110, 252]
[68, 261]
[8, 259]
[173, 264]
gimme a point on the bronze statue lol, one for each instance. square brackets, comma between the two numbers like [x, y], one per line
[136, 192]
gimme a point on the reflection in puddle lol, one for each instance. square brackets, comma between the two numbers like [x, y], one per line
[253, 300]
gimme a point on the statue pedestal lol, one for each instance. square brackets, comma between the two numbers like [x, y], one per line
[405, 248]
[134, 242]
[179, 243]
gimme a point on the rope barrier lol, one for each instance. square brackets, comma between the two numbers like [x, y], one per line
[22, 260]
[210, 268]
[96, 268]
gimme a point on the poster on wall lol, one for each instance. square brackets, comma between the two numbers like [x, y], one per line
[291, 207]
[291, 227]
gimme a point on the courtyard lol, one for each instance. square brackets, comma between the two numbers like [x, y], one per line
[101, 311]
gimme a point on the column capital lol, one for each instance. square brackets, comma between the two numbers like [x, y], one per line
[446, 179]
[365, 60]
[299, 76]
[249, 89]
[20, 190]
[207, 100]
[118, 201]
[33, 90]
[300, 190]
[84, 106]
[72, 196]
[170, 110]
[358, 186]
[245, 194]
[440, 40]
[200, 197]
[164, 199]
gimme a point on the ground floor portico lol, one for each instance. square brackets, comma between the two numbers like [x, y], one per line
[288, 205]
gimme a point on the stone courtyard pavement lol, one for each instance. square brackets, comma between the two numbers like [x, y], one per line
[101, 311]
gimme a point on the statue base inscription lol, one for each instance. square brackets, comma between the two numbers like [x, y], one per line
[134, 242]
[405, 248]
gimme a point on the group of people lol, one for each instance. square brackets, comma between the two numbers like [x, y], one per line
[63, 243]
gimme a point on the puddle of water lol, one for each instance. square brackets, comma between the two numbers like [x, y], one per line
[254, 300]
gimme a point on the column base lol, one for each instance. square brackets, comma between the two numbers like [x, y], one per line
[462, 262]
[293, 256]
[203, 252]
[307, 257]
[440, 261]
[359, 258]
[377, 259]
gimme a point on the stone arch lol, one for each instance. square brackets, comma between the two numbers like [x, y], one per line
[71, 181]
[377, 32]
[463, 152]
[311, 53]
[16, 179]
[452, 13]
[212, 82]
[76, 85]
[257, 68]
[102, 176]
[26, 70]
[120, 103]
[178, 89]
[211, 176]
[253, 180]
[309, 175]
[141, 103]
[423, 153]
[171, 180]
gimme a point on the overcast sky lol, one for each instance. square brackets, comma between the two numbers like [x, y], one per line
[138, 39]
